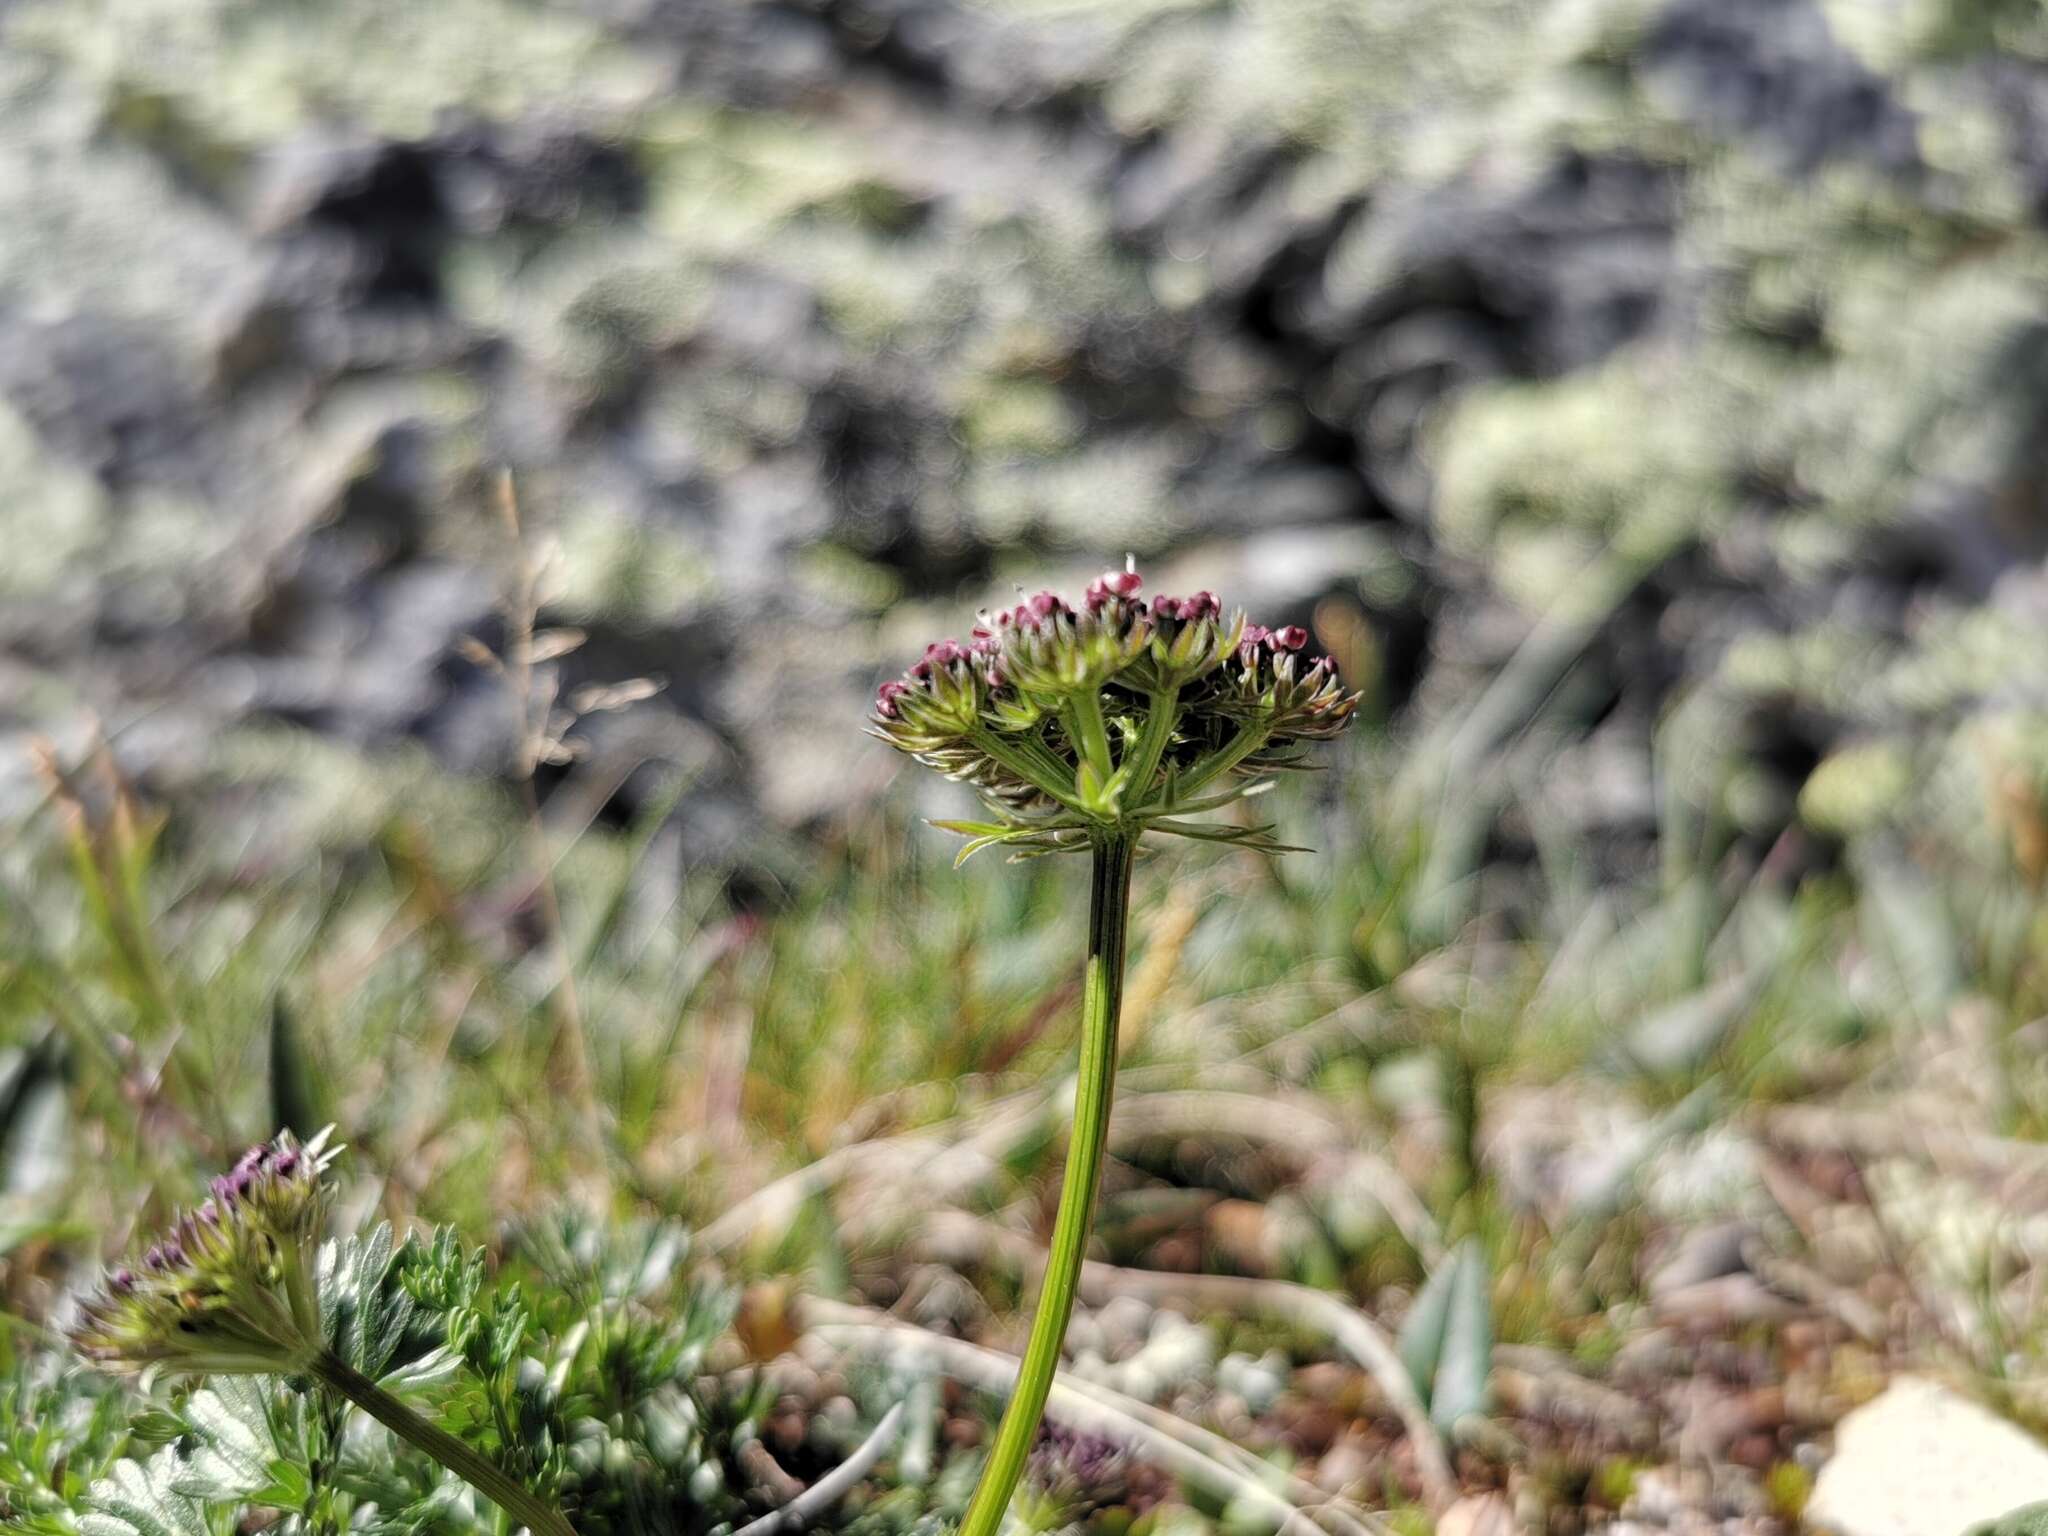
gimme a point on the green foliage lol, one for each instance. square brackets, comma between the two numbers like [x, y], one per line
[396, 1312]
[583, 1375]
[296, 1101]
[227, 1455]
[2027, 1520]
[57, 1434]
[1446, 1341]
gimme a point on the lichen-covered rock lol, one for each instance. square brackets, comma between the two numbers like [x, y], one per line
[1632, 348]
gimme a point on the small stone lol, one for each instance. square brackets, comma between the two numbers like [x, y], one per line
[1124, 1321]
[1921, 1460]
[1662, 1494]
[1478, 1514]
[1140, 1381]
[1347, 1464]
[1327, 1381]
[1703, 1253]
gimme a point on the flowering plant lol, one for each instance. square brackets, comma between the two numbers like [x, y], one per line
[1070, 1474]
[1117, 715]
[232, 1289]
[1083, 728]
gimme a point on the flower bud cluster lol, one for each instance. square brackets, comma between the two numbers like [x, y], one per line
[1113, 712]
[1072, 1473]
[231, 1287]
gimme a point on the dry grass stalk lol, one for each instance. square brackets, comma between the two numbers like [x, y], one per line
[1203, 1458]
[1356, 1334]
[1155, 972]
[834, 1485]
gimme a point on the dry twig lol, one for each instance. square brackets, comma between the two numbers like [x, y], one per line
[833, 1486]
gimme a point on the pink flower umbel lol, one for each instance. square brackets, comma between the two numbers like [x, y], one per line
[1114, 713]
[1072, 1473]
[1084, 727]
[230, 1289]
[233, 1290]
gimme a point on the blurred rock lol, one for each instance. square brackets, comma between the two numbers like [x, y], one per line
[1712, 327]
[1478, 1514]
[1701, 1254]
[1773, 68]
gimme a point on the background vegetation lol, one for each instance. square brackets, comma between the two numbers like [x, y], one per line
[1641, 401]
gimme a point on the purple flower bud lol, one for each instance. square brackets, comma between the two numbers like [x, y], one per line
[1120, 584]
[886, 697]
[1035, 610]
[1255, 635]
[1078, 1469]
[1292, 638]
[1188, 610]
[215, 1285]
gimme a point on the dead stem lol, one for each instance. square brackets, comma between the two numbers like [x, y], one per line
[539, 741]
[1355, 1333]
[1204, 1458]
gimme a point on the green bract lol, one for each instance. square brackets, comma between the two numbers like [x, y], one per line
[1117, 715]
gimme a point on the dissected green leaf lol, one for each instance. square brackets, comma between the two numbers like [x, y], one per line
[369, 1315]
[193, 1487]
[235, 1447]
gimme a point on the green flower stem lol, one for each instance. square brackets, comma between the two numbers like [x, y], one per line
[1247, 741]
[1109, 907]
[1036, 767]
[502, 1489]
[1091, 733]
[1143, 763]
